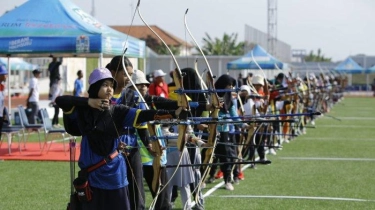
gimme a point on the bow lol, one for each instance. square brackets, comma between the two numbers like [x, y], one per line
[214, 99]
[182, 102]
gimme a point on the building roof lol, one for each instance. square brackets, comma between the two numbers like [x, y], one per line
[141, 32]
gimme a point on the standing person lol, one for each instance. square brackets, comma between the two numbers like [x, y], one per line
[248, 79]
[129, 137]
[373, 87]
[54, 72]
[33, 98]
[158, 86]
[240, 80]
[3, 78]
[56, 91]
[78, 84]
[100, 128]
[224, 150]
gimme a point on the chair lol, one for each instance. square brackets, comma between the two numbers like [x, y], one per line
[10, 130]
[50, 131]
[27, 126]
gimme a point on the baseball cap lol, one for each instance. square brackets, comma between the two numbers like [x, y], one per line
[159, 73]
[100, 74]
[257, 80]
[3, 70]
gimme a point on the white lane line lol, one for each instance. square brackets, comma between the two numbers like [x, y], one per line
[219, 185]
[294, 197]
[322, 158]
[357, 118]
[344, 126]
[334, 138]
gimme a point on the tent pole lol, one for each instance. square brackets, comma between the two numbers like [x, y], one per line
[9, 94]
[100, 60]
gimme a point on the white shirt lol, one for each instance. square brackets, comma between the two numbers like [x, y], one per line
[248, 107]
[33, 84]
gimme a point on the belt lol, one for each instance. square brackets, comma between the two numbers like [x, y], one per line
[106, 160]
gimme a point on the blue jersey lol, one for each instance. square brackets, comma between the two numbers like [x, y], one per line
[112, 175]
[78, 87]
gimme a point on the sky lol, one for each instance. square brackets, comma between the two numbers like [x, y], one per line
[340, 28]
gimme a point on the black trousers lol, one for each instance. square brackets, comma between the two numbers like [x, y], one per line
[162, 202]
[135, 179]
[55, 119]
[34, 112]
[225, 157]
[107, 199]
[1, 126]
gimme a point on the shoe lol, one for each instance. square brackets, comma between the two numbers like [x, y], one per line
[210, 180]
[241, 176]
[263, 161]
[286, 141]
[203, 185]
[272, 151]
[252, 166]
[56, 126]
[236, 180]
[229, 186]
[219, 175]
[312, 122]
[198, 207]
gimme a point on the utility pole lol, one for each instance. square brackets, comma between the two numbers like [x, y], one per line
[272, 27]
[92, 8]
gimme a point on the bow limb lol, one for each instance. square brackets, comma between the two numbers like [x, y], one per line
[182, 101]
[212, 128]
[157, 149]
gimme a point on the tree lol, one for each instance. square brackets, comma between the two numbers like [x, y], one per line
[319, 57]
[226, 46]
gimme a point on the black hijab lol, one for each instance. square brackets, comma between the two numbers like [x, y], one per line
[221, 83]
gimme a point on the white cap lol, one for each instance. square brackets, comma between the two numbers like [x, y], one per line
[257, 80]
[159, 73]
[139, 77]
[245, 87]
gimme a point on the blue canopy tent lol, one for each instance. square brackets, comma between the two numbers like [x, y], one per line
[349, 66]
[261, 56]
[39, 28]
[370, 70]
[17, 64]
[42, 27]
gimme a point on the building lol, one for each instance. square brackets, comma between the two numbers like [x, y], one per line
[144, 33]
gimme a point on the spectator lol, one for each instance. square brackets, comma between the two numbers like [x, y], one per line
[248, 79]
[3, 78]
[78, 84]
[240, 80]
[158, 87]
[56, 91]
[54, 73]
[33, 98]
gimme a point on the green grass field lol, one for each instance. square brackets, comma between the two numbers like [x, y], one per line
[331, 167]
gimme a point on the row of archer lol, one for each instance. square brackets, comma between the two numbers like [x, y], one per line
[151, 160]
[260, 115]
[257, 118]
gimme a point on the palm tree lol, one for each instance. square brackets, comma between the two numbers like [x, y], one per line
[319, 57]
[226, 46]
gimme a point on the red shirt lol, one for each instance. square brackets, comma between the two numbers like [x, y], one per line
[159, 90]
